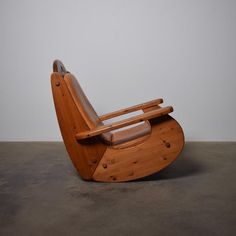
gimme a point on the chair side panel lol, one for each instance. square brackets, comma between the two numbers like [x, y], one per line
[85, 156]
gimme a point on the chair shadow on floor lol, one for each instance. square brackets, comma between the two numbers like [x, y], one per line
[184, 166]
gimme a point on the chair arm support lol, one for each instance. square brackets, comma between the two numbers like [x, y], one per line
[123, 123]
[131, 109]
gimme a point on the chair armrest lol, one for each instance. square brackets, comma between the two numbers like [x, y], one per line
[141, 106]
[123, 123]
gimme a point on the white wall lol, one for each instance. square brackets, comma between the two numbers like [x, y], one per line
[123, 52]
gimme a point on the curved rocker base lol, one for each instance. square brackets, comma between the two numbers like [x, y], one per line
[157, 151]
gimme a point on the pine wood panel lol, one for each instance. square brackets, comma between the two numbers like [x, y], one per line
[84, 155]
[158, 151]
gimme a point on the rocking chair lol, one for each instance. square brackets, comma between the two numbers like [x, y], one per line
[126, 154]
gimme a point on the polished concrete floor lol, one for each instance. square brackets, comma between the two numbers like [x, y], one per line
[41, 194]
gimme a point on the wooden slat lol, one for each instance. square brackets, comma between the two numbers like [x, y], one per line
[131, 109]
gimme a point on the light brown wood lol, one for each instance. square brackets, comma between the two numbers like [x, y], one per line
[141, 106]
[85, 156]
[156, 152]
[101, 155]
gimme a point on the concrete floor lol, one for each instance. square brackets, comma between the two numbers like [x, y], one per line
[41, 194]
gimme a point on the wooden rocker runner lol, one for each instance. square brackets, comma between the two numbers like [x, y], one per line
[124, 154]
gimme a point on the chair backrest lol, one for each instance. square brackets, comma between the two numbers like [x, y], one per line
[84, 106]
[76, 114]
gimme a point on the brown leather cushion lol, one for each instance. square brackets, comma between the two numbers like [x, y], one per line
[81, 101]
[127, 134]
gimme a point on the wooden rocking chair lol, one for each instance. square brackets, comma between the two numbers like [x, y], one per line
[101, 155]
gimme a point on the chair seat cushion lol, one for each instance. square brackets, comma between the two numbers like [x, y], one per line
[118, 137]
